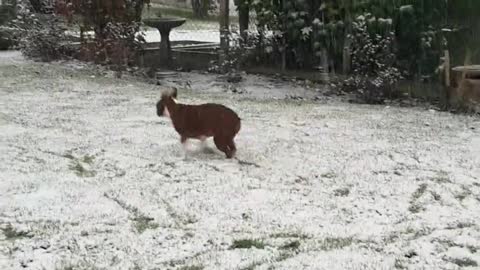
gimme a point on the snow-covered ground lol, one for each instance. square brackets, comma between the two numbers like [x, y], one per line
[91, 178]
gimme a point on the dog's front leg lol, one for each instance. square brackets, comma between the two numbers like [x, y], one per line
[184, 142]
[203, 142]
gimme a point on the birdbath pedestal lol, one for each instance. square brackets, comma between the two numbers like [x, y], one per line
[164, 26]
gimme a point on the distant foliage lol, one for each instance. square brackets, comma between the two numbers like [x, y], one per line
[254, 49]
[236, 55]
[115, 45]
[115, 24]
[6, 39]
[40, 36]
[307, 28]
[373, 61]
[302, 28]
[40, 6]
[200, 8]
[7, 13]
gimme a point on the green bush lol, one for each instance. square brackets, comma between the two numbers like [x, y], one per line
[7, 39]
[42, 37]
[7, 12]
[374, 71]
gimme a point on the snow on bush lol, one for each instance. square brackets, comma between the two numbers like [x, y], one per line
[373, 60]
[40, 36]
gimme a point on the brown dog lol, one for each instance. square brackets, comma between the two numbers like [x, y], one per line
[202, 121]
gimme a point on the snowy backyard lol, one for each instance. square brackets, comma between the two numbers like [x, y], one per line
[91, 178]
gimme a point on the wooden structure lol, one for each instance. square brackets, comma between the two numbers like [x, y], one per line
[224, 24]
[465, 87]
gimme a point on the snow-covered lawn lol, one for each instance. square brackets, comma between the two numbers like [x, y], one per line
[91, 178]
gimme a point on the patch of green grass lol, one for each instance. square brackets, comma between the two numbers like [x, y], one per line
[410, 254]
[441, 178]
[65, 267]
[331, 243]
[88, 159]
[80, 170]
[289, 235]
[329, 175]
[69, 156]
[247, 243]
[77, 165]
[252, 266]
[341, 192]
[416, 233]
[436, 196]
[188, 235]
[390, 238]
[472, 249]
[11, 233]
[189, 219]
[136, 267]
[462, 225]
[287, 250]
[399, 264]
[192, 267]
[283, 256]
[143, 223]
[414, 206]
[419, 192]
[83, 264]
[464, 262]
[463, 194]
[291, 245]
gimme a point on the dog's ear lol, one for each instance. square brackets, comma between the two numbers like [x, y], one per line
[174, 92]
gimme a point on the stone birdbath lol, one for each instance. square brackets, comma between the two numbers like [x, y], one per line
[164, 26]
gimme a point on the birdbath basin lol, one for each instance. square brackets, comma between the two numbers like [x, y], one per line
[164, 26]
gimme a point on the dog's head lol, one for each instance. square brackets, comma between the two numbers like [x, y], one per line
[167, 97]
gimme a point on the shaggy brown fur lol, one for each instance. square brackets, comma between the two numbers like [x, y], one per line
[202, 121]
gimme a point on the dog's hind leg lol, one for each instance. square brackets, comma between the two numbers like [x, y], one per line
[231, 149]
[183, 140]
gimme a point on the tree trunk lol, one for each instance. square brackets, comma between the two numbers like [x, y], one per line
[200, 8]
[224, 25]
[243, 19]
